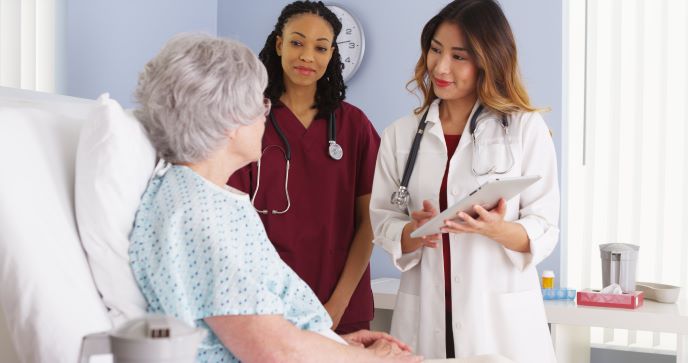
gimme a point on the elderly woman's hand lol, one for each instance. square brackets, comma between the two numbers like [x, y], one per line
[383, 348]
[365, 338]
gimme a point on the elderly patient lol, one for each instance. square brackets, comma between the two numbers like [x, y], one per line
[198, 249]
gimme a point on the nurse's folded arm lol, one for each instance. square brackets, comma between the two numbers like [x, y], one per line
[271, 338]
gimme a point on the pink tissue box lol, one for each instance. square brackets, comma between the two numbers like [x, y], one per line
[595, 298]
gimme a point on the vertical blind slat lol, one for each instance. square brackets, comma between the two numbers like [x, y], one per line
[9, 43]
[45, 45]
[663, 129]
[587, 193]
[676, 155]
[614, 116]
[638, 124]
[27, 44]
[684, 237]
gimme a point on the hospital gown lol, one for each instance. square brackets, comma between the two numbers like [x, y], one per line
[199, 250]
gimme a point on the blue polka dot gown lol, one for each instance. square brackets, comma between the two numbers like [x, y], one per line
[199, 250]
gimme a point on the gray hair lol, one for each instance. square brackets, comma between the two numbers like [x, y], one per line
[194, 91]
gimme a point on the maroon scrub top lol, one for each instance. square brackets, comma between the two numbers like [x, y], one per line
[315, 235]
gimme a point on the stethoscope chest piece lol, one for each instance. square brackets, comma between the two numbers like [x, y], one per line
[335, 150]
[401, 198]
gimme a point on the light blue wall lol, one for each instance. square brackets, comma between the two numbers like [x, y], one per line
[109, 42]
[392, 47]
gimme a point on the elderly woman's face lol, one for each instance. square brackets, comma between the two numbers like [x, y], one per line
[249, 139]
[305, 48]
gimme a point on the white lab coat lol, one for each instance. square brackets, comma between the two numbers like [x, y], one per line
[497, 305]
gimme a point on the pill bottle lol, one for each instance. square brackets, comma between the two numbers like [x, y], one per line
[548, 279]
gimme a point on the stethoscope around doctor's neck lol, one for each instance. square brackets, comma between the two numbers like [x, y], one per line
[401, 197]
[334, 150]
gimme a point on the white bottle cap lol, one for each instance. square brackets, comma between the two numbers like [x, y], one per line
[548, 273]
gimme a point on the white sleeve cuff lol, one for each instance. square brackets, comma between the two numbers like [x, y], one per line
[542, 238]
[390, 240]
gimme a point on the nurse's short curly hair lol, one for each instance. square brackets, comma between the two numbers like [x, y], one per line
[194, 91]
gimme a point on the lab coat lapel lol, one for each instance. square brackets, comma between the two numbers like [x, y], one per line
[466, 137]
[463, 154]
[434, 127]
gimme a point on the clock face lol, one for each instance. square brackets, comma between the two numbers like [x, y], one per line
[351, 41]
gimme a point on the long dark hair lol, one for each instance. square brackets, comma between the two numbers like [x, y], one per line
[331, 89]
[492, 44]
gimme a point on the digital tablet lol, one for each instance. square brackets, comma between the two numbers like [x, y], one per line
[487, 195]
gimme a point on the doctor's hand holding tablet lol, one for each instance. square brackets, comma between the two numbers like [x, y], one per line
[409, 240]
[482, 211]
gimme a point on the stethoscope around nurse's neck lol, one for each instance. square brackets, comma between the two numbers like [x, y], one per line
[334, 150]
[401, 197]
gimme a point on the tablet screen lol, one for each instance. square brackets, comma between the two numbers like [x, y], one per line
[487, 195]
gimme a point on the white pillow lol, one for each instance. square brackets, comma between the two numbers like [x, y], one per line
[113, 164]
[46, 291]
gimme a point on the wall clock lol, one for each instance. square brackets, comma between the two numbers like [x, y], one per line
[351, 40]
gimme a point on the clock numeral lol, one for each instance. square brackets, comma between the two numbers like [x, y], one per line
[352, 34]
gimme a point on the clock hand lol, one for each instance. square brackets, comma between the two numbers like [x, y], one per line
[345, 41]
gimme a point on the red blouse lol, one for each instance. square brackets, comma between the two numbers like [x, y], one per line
[452, 142]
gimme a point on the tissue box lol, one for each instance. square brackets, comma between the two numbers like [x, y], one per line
[595, 298]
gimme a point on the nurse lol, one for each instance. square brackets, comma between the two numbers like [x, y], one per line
[313, 182]
[474, 289]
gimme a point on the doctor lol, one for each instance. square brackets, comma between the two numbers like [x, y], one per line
[474, 289]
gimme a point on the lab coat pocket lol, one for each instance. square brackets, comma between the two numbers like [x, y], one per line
[521, 327]
[406, 319]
